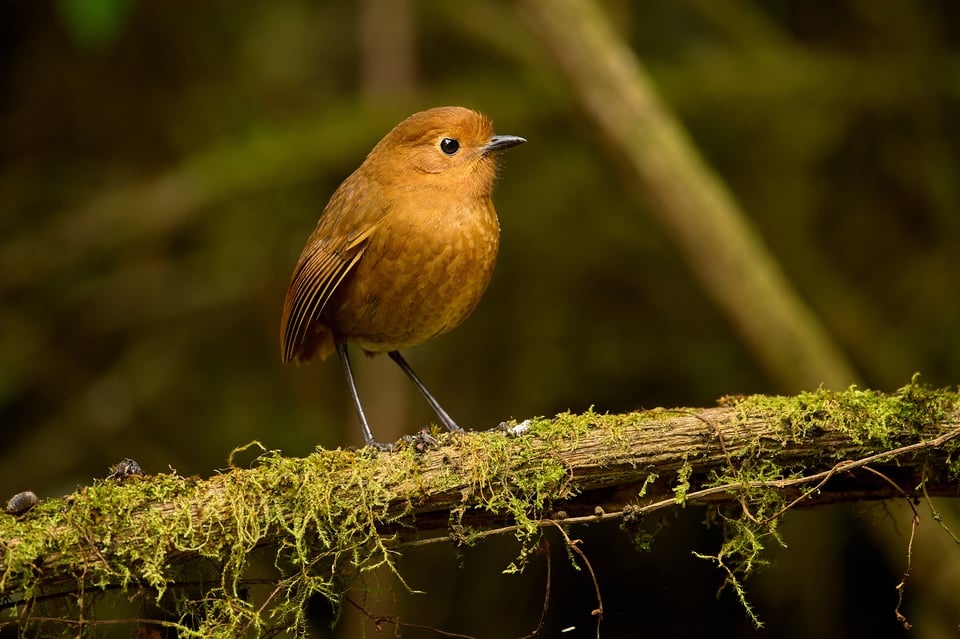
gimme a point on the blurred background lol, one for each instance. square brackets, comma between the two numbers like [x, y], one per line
[161, 165]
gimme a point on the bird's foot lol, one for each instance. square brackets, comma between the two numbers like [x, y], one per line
[382, 447]
[422, 441]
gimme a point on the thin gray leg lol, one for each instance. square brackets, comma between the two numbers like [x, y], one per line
[445, 419]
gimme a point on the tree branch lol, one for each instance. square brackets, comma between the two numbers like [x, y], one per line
[335, 513]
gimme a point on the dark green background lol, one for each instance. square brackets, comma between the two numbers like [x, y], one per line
[162, 163]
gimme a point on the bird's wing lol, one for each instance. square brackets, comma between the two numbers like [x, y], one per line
[320, 271]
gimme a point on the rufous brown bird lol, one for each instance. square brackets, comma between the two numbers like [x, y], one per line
[403, 250]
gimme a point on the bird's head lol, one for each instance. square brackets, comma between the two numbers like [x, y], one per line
[445, 148]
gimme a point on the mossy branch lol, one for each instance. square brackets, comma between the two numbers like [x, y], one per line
[327, 517]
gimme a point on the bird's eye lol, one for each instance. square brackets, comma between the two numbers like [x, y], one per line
[449, 146]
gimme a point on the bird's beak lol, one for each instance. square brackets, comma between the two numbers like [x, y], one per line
[499, 142]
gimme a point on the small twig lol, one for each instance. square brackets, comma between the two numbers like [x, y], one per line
[913, 531]
[266, 603]
[906, 575]
[142, 586]
[573, 544]
[726, 455]
[896, 487]
[474, 535]
[937, 517]
[833, 471]
[97, 622]
[379, 620]
[545, 550]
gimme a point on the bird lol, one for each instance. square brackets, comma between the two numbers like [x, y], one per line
[403, 250]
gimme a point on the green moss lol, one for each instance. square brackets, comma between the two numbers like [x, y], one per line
[325, 515]
[876, 420]
[682, 487]
[512, 477]
[647, 482]
[323, 511]
[866, 416]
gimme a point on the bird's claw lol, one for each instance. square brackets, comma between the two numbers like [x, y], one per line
[382, 447]
[422, 441]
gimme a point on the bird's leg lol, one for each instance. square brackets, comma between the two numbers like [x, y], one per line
[352, 383]
[445, 419]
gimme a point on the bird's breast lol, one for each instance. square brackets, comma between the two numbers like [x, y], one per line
[422, 273]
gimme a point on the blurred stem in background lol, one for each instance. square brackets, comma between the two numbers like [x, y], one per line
[691, 202]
